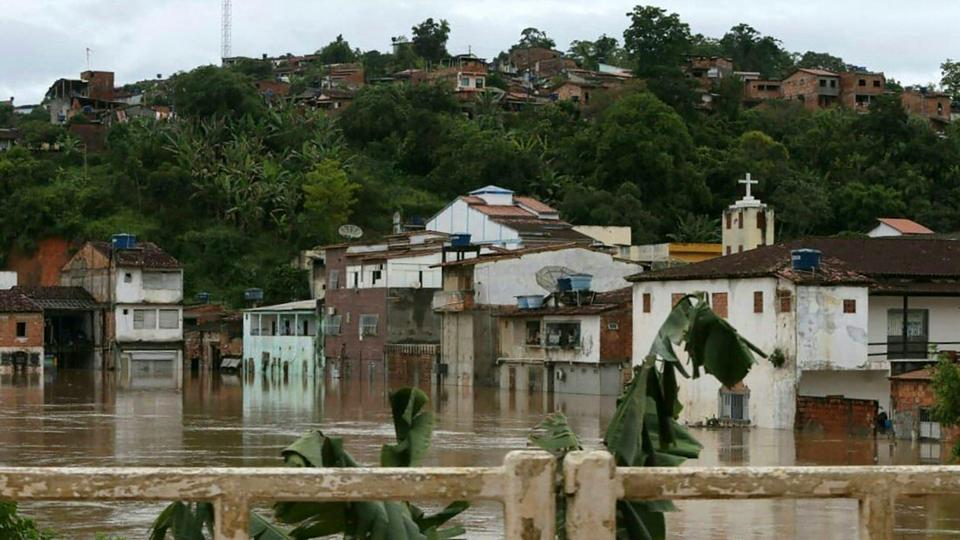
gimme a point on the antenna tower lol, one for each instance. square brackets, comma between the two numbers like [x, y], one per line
[226, 29]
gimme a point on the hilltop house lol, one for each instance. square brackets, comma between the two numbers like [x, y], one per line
[934, 106]
[141, 286]
[897, 227]
[495, 217]
[813, 88]
[839, 325]
[475, 290]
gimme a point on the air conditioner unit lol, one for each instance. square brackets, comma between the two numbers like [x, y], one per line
[331, 310]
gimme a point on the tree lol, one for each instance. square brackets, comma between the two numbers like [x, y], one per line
[328, 199]
[950, 78]
[818, 60]
[655, 39]
[253, 68]
[533, 37]
[210, 91]
[590, 54]
[696, 228]
[751, 51]
[946, 392]
[338, 51]
[6, 115]
[430, 40]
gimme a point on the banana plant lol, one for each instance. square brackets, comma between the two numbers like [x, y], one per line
[644, 431]
[373, 520]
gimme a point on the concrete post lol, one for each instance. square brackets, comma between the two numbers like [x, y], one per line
[592, 490]
[231, 518]
[529, 506]
[876, 516]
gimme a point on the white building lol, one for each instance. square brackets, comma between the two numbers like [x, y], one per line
[475, 289]
[284, 340]
[495, 216]
[142, 288]
[839, 329]
[8, 280]
[897, 227]
[747, 223]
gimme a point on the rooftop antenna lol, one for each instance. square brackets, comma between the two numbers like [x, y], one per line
[350, 232]
[226, 30]
[88, 58]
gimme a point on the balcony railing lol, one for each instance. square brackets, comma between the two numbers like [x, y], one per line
[895, 350]
[451, 301]
[524, 484]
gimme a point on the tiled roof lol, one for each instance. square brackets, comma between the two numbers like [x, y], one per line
[13, 301]
[924, 374]
[905, 226]
[60, 298]
[543, 230]
[144, 255]
[536, 205]
[819, 72]
[845, 260]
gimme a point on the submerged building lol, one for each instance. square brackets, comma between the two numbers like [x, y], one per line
[284, 340]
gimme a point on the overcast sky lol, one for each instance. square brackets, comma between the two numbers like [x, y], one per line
[43, 40]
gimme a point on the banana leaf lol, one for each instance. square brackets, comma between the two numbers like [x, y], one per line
[183, 521]
[262, 529]
[555, 435]
[413, 424]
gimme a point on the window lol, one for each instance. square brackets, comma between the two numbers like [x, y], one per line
[565, 335]
[613, 326]
[144, 319]
[720, 304]
[377, 276]
[758, 301]
[334, 279]
[862, 82]
[161, 280]
[479, 82]
[465, 82]
[533, 333]
[127, 277]
[729, 217]
[833, 83]
[734, 405]
[368, 325]
[729, 250]
[740, 248]
[169, 319]
[876, 84]
[21, 329]
[647, 302]
[332, 325]
[917, 327]
[784, 301]
[823, 83]
[740, 220]
[928, 428]
[849, 306]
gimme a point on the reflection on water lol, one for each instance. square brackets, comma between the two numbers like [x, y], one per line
[86, 418]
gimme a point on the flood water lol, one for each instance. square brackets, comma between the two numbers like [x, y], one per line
[83, 418]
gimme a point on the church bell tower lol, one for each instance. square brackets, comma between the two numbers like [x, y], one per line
[747, 224]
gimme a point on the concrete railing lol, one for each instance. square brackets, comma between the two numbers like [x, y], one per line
[524, 485]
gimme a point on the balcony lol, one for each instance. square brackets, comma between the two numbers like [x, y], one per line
[452, 301]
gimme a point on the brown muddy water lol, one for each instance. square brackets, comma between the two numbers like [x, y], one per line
[84, 418]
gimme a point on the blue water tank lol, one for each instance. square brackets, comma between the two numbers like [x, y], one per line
[460, 239]
[530, 301]
[806, 260]
[123, 241]
[202, 297]
[253, 294]
[581, 282]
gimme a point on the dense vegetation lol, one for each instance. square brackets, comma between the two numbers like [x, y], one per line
[236, 186]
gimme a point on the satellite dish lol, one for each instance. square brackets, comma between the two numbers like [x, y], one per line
[350, 232]
[548, 275]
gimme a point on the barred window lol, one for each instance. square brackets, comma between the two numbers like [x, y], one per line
[368, 325]
[332, 325]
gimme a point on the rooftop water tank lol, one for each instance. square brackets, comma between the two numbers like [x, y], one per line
[460, 239]
[123, 241]
[563, 284]
[806, 260]
[202, 297]
[253, 294]
[580, 282]
[529, 301]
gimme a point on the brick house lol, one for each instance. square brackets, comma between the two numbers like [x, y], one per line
[911, 398]
[21, 333]
[858, 89]
[708, 71]
[211, 335]
[578, 343]
[757, 91]
[378, 302]
[813, 88]
[466, 73]
[934, 106]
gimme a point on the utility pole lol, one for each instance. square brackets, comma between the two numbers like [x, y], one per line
[226, 30]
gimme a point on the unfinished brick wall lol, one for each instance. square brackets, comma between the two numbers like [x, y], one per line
[411, 364]
[836, 415]
[907, 397]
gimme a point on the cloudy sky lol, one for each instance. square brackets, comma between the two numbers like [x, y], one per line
[43, 40]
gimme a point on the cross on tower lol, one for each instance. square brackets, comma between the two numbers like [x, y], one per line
[748, 183]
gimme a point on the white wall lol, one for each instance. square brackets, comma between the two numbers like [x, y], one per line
[407, 272]
[944, 319]
[458, 217]
[883, 230]
[133, 292]
[772, 402]
[8, 280]
[127, 333]
[299, 352]
[850, 384]
[500, 282]
[828, 338]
